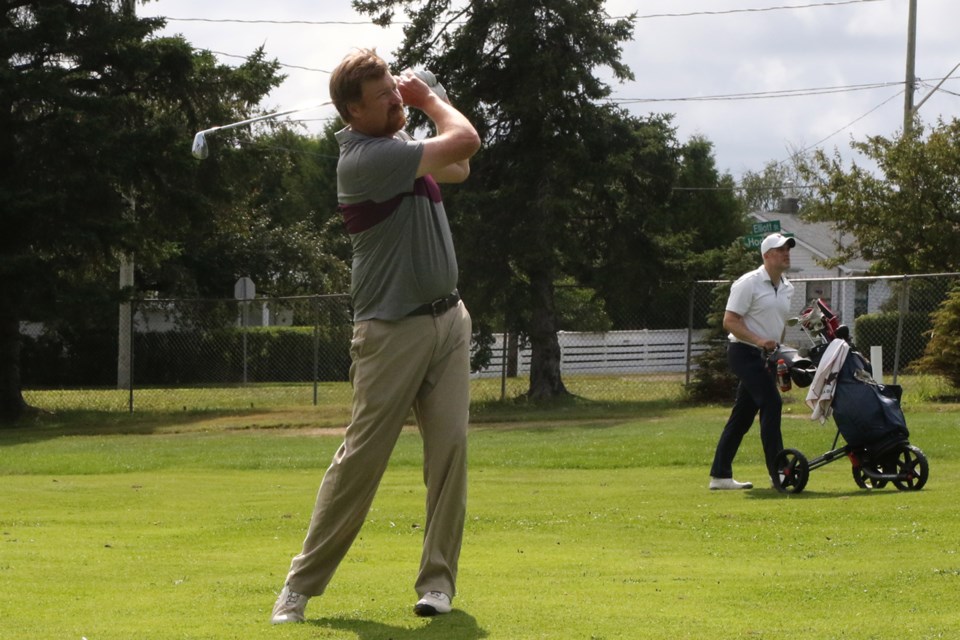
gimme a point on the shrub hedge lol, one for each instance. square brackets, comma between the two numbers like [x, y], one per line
[880, 330]
[171, 358]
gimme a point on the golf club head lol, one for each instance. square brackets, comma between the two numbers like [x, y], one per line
[426, 76]
[200, 150]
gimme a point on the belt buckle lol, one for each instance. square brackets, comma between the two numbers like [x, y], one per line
[438, 307]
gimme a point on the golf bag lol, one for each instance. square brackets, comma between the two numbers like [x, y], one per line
[866, 412]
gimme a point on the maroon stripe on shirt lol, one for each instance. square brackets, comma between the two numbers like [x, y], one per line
[428, 187]
[364, 215]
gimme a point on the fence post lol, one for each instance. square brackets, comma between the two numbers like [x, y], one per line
[503, 364]
[244, 307]
[316, 346]
[903, 306]
[133, 313]
[693, 288]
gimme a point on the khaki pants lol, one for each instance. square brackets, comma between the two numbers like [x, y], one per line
[421, 362]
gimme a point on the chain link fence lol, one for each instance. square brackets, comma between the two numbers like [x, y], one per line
[182, 355]
[888, 316]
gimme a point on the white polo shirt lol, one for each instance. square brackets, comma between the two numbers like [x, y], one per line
[764, 309]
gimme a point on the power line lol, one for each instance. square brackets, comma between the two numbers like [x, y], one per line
[287, 22]
[643, 17]
[723, 12]
[813, 5]
[813, 146]
[847, 126]
[282, 64]
[316, 23]
[755, 95]
[781, 93]
[928, 84]
[785, 93]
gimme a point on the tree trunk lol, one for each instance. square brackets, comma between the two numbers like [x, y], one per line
[12, 404]
[545, 380]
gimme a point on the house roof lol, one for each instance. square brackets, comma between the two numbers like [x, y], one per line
[819, 238]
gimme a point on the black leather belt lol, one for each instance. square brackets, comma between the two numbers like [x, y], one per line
[438, 307]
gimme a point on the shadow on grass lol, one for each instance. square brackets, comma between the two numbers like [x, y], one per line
[806, 494]
[455, 625]
[41, 424]
[46, 425]
[570, 407]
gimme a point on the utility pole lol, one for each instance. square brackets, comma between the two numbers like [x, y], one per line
[911, 80]
[125, 320]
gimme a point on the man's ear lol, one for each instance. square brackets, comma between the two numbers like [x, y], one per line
[353, 108]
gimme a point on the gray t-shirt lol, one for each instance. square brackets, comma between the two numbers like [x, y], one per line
[403, 255]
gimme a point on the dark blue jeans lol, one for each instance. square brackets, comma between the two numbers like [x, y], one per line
[757, 392]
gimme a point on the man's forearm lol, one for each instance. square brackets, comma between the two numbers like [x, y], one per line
[735, 324]
[447, 119]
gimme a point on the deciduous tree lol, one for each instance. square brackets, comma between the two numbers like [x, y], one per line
[905, 215]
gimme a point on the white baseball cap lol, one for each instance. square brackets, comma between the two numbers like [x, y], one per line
[775, 241]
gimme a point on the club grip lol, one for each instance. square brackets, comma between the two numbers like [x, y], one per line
[431, 81]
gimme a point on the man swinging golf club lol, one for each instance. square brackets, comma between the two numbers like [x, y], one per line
[411, 338]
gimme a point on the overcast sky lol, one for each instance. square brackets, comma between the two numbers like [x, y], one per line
[682, 52]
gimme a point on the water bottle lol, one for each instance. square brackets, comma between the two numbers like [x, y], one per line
[431, 81]
[783, 376]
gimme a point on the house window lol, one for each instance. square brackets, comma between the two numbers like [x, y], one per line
[819, 290]
[861, 298]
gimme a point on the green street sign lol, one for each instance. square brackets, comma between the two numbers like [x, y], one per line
[766, 228]
[754, 240]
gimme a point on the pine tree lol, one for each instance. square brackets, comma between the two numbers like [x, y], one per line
[96, 117]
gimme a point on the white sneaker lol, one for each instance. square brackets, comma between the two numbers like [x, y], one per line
[728, 483]
[289, 607]
[432, 603]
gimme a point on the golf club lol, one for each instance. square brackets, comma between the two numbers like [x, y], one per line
[200, 149]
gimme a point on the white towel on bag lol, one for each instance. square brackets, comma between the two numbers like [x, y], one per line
[820, 393]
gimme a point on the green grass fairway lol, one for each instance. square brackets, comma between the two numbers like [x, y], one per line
[582, 524]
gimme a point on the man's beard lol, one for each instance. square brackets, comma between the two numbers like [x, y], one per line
[396, 120]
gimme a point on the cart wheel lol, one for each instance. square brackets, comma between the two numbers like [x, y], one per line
[911, 467]
[866, 482]
[794, 470]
